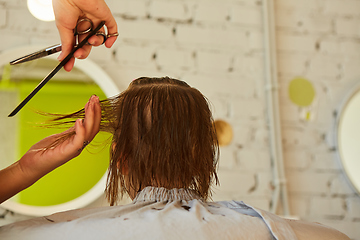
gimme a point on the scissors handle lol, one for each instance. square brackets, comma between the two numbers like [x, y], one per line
[55, 70]
[76, 30]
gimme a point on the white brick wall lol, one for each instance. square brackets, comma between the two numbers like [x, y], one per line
[299, 204]
[217, 47]
[308, 182]
[353, 206]
[174, 58]
[209, 36]
[135, 30]
[302, 20]
[244, 181]
[288, 64]
[339, 186]
[347, 27]
[212, 61]
[321, 66]
[349, 48]
[174, 10]
[346, 8]
[246, 15]
[324, 161]
[298, 160]
[294, 43]
[317, 40]
[249, 65]
[135, 55]
[129, 9]
[310, 5]
[212, 12]
[3, 15]
[252, 160]
[332, 207]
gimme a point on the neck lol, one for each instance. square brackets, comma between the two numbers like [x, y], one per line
[162, 194]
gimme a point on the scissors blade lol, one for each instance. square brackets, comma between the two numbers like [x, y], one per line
[39, 54]
[55, 70]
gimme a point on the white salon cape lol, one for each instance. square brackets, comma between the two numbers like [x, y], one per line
[158, 213]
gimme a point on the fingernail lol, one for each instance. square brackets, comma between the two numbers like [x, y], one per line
[60, 57]
[91, 103]
[110, 45]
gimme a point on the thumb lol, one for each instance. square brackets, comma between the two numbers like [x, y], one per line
[79, 138]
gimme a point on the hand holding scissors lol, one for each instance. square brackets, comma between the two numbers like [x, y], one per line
[67, 13]
[47, 51]
[83, 26]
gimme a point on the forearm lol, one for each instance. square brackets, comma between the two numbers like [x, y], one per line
[13, 180]
[22, 174]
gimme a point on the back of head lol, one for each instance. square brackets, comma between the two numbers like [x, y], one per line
[163, 136]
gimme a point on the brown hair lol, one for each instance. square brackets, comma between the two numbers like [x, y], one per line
[163, 136]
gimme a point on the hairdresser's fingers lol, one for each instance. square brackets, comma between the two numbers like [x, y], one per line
[89, 119]
[66, 17]
[92, 116]
[83, 52]
[69, 65]
[67, 41]
[96, 40]
[110, 41]
[112, 29]
[97, 116]
[102, 13]
[80, 136]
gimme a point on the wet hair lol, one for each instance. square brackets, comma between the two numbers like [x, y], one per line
[163, 136]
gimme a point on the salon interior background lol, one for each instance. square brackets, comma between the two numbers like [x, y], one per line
[218, 47]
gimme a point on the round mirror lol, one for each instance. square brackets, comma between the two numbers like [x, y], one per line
[348, 138]
[78, 182]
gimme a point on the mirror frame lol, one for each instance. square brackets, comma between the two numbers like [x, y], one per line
[101, 78]
[355, 90]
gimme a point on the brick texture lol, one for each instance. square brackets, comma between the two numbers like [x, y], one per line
[218, 47]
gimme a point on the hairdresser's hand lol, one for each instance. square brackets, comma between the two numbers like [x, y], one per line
[37, 162]
[40, 161]
[67, 13]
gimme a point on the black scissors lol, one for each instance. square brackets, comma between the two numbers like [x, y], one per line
[53, 49]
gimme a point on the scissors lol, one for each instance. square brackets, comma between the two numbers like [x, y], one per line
[56, 48]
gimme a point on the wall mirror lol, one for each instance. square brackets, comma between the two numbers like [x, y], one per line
[77, 183]
[348, 138]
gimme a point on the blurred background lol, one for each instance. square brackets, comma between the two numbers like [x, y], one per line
[278, 74]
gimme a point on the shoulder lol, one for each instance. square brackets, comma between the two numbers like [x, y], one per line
[310, 230]
[283, 228]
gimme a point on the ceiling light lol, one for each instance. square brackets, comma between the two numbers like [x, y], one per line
[41, 9]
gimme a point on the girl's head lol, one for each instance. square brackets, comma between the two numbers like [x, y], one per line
[163, 136]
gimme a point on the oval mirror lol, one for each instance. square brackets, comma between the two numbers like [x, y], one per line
[348, 138]
[78, 182]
